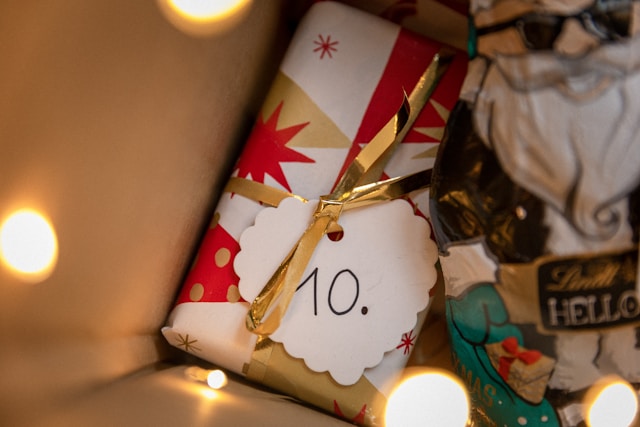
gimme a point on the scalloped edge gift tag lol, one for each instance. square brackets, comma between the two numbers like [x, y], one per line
[357, 296]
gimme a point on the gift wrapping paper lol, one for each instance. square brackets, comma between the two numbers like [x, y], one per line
[343, 77]
[534, 201]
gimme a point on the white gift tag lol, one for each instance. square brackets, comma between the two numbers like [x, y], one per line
[357, 295]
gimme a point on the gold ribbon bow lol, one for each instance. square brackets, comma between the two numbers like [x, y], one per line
[357, 187]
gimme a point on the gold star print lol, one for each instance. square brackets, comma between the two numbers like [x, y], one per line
[186, 344]
[434, 132]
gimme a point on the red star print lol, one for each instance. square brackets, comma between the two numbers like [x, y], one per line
[325, 46]
[406, 342]
[266, 149]
[358, 419]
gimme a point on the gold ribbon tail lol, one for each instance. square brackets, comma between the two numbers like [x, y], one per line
[388, 189]
[258, 191]
[270, 306]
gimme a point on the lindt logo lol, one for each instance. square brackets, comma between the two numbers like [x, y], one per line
[589, 292]
[574, 277]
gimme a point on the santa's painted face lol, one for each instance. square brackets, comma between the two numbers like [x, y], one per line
[557, 103]
[570, 27]
[577, 45]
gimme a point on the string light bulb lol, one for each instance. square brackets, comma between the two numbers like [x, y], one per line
[28, 245]
[214, 378]
[419, 400]
[611, 402]
[204, 17]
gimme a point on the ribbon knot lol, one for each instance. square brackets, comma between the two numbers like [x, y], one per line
[332, 209]
[357, 187]
[510, 345]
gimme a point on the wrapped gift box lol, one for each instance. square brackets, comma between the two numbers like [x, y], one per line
[342, 79]
[526, 371]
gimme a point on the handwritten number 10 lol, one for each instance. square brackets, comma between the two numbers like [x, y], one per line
[345, 276]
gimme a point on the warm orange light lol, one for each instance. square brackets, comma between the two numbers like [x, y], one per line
[28, 245]
[209, 393]
[216, 379]
[204, 17]
[611, 402]
[430, 398]
[203, 10]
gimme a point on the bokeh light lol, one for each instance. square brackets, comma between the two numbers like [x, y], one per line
[611, 402]
[204, 17]
[429, 398]
[28, 245]
[216, 379]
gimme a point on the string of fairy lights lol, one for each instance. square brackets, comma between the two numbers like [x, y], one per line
[29, 251]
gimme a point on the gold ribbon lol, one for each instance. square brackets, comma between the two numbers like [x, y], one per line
[273, 367]
[357, 187]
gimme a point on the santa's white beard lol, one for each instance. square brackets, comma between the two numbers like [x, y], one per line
[576, 145]
[581, 157]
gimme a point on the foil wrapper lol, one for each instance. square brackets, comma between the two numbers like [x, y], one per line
[534, 204]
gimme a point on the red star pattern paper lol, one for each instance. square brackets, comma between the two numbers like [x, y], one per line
[358, 419]
[325, 46]
[212, 278]
[406, 342]
[337, 86]
[408, 60]
[266, 149]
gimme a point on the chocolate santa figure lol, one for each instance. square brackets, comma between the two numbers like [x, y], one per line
[536, 197]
